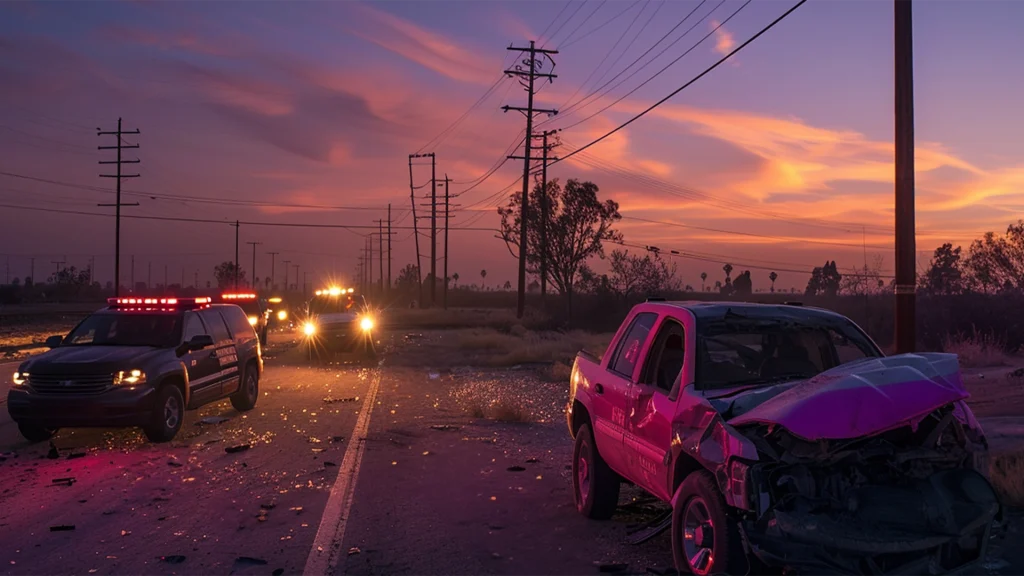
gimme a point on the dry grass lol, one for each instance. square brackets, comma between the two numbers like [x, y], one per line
[496, 318]
[524, 347]
[976, 350]
[501, 411]
[559, 372]
[1007, 472]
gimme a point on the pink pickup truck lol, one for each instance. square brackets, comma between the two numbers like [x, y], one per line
[783, 439]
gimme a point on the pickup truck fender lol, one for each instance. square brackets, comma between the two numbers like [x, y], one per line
[701, 439]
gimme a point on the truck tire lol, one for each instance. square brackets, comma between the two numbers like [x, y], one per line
[168, 414]
[34, 433]
[595, 486]
[714, 545]
[249, 392]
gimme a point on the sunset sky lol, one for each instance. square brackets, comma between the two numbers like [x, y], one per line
[289, 112]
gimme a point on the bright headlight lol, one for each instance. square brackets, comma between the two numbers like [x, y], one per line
[282, 315]
[366, 324]
[253, 320]
[20, 378]
[309, 328]
[130, 377]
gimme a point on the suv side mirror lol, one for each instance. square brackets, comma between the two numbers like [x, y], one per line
[54, 341]
[197, 342]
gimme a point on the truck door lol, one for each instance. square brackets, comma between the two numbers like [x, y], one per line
[611, 394]
[652, 404]
[202, 366]
[224, 350]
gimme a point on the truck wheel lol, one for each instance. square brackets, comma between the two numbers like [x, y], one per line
[34, 433]
[247, 395]
[704, 539]
[168, 414]
[595, 486]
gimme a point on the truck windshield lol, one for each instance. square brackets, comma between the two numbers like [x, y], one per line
[250, 307]
[334, 304]
[739, 353]
[127, 329]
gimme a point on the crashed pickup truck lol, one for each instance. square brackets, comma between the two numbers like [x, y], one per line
[784, 440]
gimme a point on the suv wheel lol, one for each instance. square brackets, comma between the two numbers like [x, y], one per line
[34, 433]
[595, 486]
[705, 540]
[249, 392]
[168, 415]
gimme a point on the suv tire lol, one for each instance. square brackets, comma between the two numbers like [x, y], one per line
[34, 433]
[168, 414]
[249, 392]
[715, 546]
[595, 486]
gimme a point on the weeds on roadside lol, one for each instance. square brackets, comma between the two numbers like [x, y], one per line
[976, 350]
[1007, 473]
[501, 411]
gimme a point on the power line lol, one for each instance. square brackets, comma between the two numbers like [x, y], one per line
[606, 22]
[562, 25]
[437, 140]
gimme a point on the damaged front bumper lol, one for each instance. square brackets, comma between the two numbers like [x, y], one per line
[940, 526]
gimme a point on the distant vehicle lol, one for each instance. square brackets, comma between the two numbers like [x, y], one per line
[139, 362]
[255, 309]
[783, 432]
[279, 314]
[339, 320]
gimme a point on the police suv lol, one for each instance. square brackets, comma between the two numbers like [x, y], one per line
[139, 362]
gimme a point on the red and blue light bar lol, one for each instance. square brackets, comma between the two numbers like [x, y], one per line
[238, 296]
[121, 302]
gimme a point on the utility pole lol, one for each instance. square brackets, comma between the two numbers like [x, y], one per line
[32, 270]
[297, 266]
[57, 273]
[165, 277]
[236, 256]
[132, 287]
[415, 224]
[273, 256]
[528, 71]
[433, 230]
[389, 247]
[182, 285]
[117, 203]
[380, 252]
[149, 275]
[544, 205]
[286, 263]
[92, 267]
[446, 219]
[195, 280]
[906, 249]
[369, 262]
[254, 245]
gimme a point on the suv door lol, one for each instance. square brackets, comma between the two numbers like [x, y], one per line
[224, 352]
[201, 365]
[610, 403]
[652, 406]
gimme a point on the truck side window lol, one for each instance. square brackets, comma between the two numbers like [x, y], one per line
[239, 323]
[628, 353]
[218, 330]
[665, 361]
[193, 327]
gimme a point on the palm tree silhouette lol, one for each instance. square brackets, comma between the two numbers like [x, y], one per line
[483, 276]
[773, 276]
[728, 270]
[455, 277]
[703, 277]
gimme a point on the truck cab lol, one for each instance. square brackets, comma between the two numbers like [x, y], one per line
[758, 422]
[340, 320]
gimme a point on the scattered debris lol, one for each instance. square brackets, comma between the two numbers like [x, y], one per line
[278, 572]
[330, 400]
[62, 528]
[995, 564]
[495, 555]
[126, 532]
[662, 571]
[296, 509]
[337, 438]
[433, 375]
[516, 469]
[62, 481]
[445, 427]
[236, 449]
[353, 550]
[649, 530]
[174, 463]
[268, 506]
[329, 463]
[175, 559]
[250, 561]
[212, 420]
[532, 460]
[1018, 373]
[53, 454]
[74, 455]
[612, 568]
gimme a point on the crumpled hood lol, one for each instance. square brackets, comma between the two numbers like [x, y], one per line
[863, 398]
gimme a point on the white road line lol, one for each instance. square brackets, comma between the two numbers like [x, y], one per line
[327, 545]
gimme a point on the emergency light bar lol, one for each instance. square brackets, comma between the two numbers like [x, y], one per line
[117, 302]
[242, 296]
[335, 291]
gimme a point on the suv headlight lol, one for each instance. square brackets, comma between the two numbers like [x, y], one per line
[309, 328]
[253, 320]
[20, 378]
[129, 378]
[366, 323]
[282, 315]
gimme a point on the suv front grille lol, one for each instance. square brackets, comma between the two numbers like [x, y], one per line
[70, 384]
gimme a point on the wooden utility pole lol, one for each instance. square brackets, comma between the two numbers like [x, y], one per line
[286, 263]
[236, 255]
[528, 72]
[389, 247]
[446, 218]
[544, 205]
[117, 201]
[253, 271]
[433, 230]
[906, 249]
[415, 224]
[273, 257]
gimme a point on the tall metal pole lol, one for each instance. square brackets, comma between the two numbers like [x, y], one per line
[906, 250]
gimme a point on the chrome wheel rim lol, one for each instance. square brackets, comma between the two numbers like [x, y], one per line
[172, 413]
[698, 536]
[250, 386]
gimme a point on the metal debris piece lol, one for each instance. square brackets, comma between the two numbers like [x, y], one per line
[53, 454]
[532, 460]
[337, 438]
[515, 469]
[174, 463]
[612, 568]
[74, 455]
[445, 427]
[62, 481]
[250, 561]
[126, 532]
[62, 528]
[651, 529]
[330, 400]
[236, 449]
[329, 463]
[175, 559]
[212, 420]
[296, 509]
[278, 572]
[353, 550]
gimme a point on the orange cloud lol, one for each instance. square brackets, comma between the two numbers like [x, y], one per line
[724, 42]
[429, 49]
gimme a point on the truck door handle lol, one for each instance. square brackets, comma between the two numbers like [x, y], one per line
[598, 388]
[213, 354]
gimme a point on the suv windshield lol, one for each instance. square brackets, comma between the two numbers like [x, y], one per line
[250, 307]
[334, 304]
[740, 353]
[127, 329]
